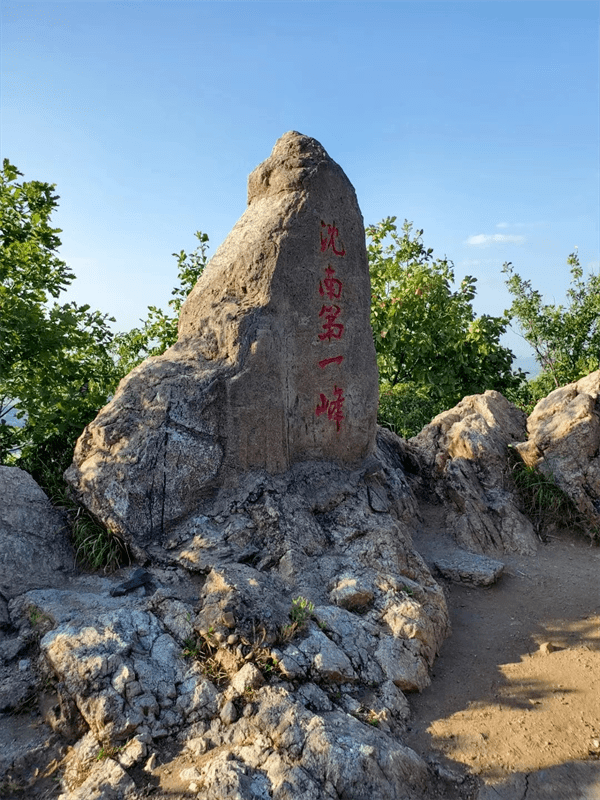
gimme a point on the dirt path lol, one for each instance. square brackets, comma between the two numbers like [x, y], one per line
[501, 708]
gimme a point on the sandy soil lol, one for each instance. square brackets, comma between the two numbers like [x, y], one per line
[516, 688]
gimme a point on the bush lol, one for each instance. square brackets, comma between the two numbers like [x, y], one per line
[406, 408]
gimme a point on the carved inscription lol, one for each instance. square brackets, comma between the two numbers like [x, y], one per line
[332, 328]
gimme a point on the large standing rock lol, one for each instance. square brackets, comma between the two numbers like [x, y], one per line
[275, 362]
[564, 442]
[34, 548]
[247, 455]
[465, 453]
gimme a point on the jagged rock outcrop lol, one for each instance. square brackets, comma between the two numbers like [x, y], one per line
[564, 442]
[34, 547]
[464, 453]
[290, 706]
[275, 362]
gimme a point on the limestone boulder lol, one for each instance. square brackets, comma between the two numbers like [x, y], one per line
[274, 365]
[464, 455]
[564, 442]
[35, 551]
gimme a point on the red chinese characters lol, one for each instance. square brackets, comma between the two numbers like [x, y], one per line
[333, 408]
[333, 286]
[333, 329]
[330, 287]
[328, 240]
[327, 361]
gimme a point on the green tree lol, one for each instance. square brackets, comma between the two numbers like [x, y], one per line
[432, 349]
[55, 365]
[159, 330]
[565, 339]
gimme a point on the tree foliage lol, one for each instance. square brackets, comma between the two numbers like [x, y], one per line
[565, 338]
[60, 363]
[427, 335]
[55, 361]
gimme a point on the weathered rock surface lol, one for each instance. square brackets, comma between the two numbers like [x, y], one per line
[34, 547]
[564, 442]
[283, 608]
[275, 362]
[314, 709]
[464, 452]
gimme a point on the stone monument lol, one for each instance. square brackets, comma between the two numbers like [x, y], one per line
[274, 364]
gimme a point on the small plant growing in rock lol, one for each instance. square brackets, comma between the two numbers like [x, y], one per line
[110, 751]
[191, 649]
[542, 500]
[96, 547]
[35, 615]
[301, 610]
[203, 650]
[300, 613]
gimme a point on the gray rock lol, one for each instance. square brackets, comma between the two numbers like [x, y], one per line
[465, 450]
[275, 525]
[328, 662]
[564, 440]
[107, 781]
[469, 568]
[117, 663]
[402, 664]
[351, 591]
[228, 713]
[275, 362]
[17, 686]
[34, 546]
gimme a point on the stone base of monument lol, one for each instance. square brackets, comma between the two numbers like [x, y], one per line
[280, 631]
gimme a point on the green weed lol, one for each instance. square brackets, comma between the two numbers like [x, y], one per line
[301, 610]
[110, 751]
[203, 650]
[96, 547]
[542, 500]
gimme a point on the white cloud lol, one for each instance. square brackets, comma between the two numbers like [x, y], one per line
[538, 224]
[494, 238]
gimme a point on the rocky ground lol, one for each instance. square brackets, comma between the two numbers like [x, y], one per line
[513, 710]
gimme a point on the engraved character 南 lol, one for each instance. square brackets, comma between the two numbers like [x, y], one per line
[333, 286]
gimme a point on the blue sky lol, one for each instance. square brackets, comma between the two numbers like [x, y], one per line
[478, 121]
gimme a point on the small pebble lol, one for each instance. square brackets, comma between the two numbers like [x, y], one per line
[228, 713]
[151, 764]
[228, 619]
[546, 648]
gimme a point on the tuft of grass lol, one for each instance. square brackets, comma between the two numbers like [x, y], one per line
[203, 649]
[542, 500]
[110, 751]
[300, 613]
[97, 548]
[301, 610]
